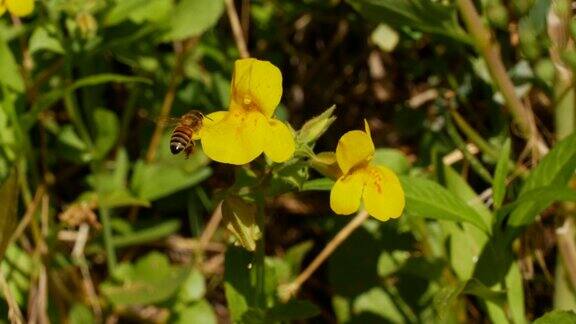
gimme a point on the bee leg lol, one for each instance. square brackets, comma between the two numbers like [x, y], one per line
[189, 150]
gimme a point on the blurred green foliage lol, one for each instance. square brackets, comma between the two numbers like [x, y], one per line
[111, 234]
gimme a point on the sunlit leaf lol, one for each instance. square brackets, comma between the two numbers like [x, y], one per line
[152, 280]
[191, 18]
[426, 198]
[9, 73]
[557, 316]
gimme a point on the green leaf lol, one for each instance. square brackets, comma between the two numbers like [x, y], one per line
[153, 11]
[194, 288]
[557, 317]
[290, 176]
[107, 125]
[121, 11]
[138, 11]
[152, 280]
[292, 311]
[378, 302]
[239, 217]
[43, 39]
[476, 288]
[151, 234]
[515, 293]
[80, 314]
[50, 98]
[424, 15]
[556, 168]
[295, 255]
[461, 189]
[199, 312]
[237, 285]
[9, 72]
[499, 183]
[8, 213]
[322, 184]
[192, 18]
[392, 158]
[531, 203]
[170, 174]
[426, 198]
[315, 127]
[447, 296]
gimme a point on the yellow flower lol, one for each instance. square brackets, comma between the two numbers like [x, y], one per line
[377, 186]
[247, 129]
[18, 8]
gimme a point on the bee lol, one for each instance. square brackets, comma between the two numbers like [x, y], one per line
[185, 128]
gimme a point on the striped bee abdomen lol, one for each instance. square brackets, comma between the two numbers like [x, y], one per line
[181, 138]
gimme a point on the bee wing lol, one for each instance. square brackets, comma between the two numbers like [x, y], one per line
[167, 121]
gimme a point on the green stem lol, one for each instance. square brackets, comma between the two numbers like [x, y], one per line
[491, 54]
[104, 212]
[474, 162]
[473, 135]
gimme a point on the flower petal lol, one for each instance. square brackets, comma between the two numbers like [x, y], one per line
[237, 138]
[208, 121]
[279, 144]
[354, 149]
[346, 193]
[20, 8]
[383, 195]
[256, 85]
[2, 8]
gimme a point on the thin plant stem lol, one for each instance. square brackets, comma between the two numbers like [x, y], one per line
[14, 313]
[237, 29]
[474, 137]
[181, 50]
[474, 162]
[108, 238]
[490, 52]
[290, 289]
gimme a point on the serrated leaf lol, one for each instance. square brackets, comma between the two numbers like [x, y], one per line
[426, 198]
[424, 15]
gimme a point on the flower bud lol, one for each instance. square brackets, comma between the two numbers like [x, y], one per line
[315, 127]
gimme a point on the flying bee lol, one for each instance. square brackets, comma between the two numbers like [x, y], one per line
[186, 127]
